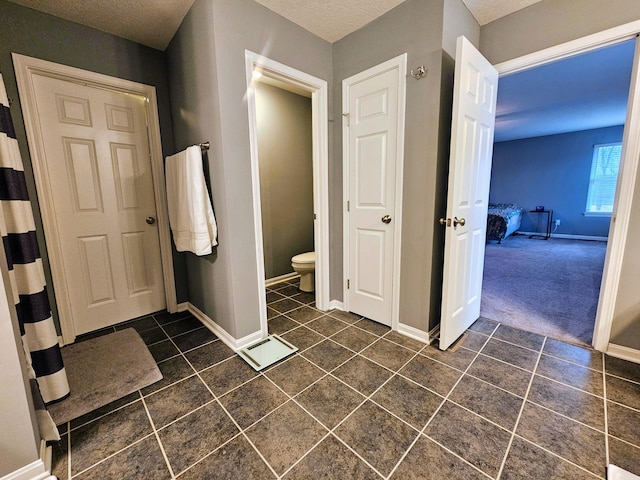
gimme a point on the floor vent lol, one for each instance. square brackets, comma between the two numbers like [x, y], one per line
[267, 352]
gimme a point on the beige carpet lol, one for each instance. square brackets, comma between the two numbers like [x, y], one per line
[104, 369]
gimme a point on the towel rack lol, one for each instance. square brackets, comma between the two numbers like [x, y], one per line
[204, 145]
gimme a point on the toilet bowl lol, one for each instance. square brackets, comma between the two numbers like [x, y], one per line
[305, 265]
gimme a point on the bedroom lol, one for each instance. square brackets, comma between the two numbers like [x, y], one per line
[543, 268]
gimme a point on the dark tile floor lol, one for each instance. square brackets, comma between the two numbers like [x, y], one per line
[359, 401]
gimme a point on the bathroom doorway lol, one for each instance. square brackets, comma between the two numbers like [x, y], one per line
[281, 81]
[285, 157]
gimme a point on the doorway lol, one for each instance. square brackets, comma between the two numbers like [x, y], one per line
[283, 121]
[95, 146]
[550, 122]
[627, 177]
[295, 81]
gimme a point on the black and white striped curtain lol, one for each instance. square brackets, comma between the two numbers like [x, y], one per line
[17, 227]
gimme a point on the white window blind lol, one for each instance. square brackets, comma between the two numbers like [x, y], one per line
[604, 176]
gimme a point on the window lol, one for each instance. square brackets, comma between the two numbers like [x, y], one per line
[604, 176]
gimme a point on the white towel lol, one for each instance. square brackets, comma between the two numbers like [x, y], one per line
[190, 213]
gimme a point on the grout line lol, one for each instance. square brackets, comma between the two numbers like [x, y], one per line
[69, 450]
[505, 362]
[565, 416]
[366, 398]
[113, 455]
[437, 410]
[72, 429]
[572, 362]
[456, 455]
[622, 378]
[217, 400]
[331, 431]
[495, 386]
[522, 407]
[516, 344]
[155, 432]
[551, 379]
[551, 452]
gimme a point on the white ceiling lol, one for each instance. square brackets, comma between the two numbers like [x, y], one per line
[153, 23]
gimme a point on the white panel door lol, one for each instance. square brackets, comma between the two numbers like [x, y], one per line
[99, 171]
[474, 105]
[372, 102]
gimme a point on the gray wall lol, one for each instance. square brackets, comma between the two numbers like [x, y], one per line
[549, 23]
[39, 35]
[286, 176]
[206, 62]
[553, 171]
[414, 27]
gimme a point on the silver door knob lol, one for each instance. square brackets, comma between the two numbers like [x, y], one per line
[386, 219]
[150, 220]
[457, 222]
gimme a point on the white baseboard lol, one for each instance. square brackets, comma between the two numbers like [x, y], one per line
[183, 307]
[568, 236]
[414, 333]
[34, 471]
[221, 333]
[336, 305]
[282, 278]
[625, 353]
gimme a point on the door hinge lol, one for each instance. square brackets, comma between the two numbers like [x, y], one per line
[348, 284]
[347, 118]
[314, 216]
[348, 206]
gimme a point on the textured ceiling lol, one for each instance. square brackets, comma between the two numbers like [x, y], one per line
[149, 23]
[153, 23]
[486, 11]
[330, 19]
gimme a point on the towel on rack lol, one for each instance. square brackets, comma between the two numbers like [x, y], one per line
[190, 213]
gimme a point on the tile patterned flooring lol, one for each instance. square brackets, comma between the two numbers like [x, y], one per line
[359, 401]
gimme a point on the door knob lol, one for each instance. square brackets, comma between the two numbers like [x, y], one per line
[386, 219]
[457, 222]
[150, 220]
[445, 221]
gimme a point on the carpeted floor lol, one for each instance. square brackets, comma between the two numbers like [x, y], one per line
[550, 287]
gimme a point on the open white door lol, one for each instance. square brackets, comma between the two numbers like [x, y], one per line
[474, 110]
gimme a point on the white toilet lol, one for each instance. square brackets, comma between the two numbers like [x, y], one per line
[305, 265]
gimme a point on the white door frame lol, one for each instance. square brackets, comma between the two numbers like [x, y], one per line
[299, 82]
[25, 68]
[399, 63]
[626, 180]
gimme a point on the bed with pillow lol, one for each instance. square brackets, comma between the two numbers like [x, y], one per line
[502, 220]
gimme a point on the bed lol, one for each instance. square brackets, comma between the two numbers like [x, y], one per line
[502, 220]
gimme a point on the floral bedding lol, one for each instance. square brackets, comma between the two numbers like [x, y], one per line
[502, 220]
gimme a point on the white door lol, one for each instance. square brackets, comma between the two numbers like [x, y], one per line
[374, 116]
[474, 104]
[96, 151]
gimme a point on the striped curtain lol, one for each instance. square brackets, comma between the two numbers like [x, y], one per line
[17, 227]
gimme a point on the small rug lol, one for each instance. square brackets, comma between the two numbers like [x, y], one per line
[104, 369]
